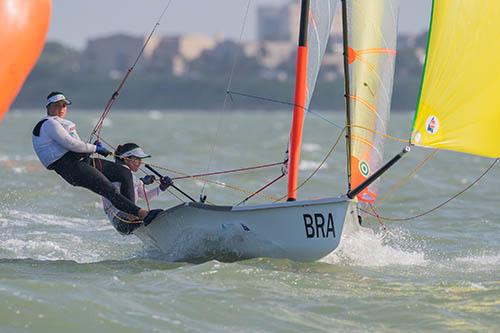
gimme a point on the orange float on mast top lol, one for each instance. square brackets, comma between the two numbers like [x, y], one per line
[23, 29]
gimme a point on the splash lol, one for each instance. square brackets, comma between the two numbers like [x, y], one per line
[364, 247]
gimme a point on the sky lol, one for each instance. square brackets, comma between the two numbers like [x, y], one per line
[74, 22]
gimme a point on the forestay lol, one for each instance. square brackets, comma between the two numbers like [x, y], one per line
[372, 35]
[459, 106]
[316, 17]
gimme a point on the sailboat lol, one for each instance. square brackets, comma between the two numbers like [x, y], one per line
[304, 230]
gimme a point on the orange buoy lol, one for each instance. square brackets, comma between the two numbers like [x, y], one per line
[23, 29]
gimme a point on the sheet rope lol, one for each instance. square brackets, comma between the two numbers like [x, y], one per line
[429, 211]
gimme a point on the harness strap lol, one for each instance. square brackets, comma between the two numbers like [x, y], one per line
[38, 127]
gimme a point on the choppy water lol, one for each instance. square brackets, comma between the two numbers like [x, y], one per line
[63, 268]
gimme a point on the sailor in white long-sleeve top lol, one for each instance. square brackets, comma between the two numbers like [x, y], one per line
[59, 148]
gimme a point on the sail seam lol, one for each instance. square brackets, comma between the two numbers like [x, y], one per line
[424, 69]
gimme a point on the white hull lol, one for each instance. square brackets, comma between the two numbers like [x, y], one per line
[300, 230]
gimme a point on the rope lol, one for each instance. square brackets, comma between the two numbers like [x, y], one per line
[146, 195]
[379, 220]
[97, 129]
[200, 175]
[386, 136]
[124, 220]
[221, 184]
[405, 179]
[438, 206]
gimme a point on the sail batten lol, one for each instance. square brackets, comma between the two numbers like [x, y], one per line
[458, 107]
[371, 52]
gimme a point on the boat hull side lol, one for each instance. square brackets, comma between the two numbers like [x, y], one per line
[301, 231]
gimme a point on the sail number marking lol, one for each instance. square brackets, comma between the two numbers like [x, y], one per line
[318, 225]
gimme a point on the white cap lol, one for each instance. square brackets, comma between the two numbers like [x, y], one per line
[136, 152]
[57, 98]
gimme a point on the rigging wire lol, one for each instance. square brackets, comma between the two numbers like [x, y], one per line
[317, 114]
[283, 174]
[96, 132]
[436, 207]
[277, 101]
[224, 106]
[320, 165]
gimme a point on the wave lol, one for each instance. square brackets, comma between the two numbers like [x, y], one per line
[22, 219]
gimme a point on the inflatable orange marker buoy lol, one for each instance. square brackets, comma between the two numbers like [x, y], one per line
[23, 28]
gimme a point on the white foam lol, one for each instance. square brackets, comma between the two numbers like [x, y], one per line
[364, 247]
[311, 147]
[481, 262]
[106, 123]
[155, 115]
[306, 165]
[19, 170]
[482, 259]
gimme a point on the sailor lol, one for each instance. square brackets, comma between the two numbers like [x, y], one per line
[129, 157]
[59, 148]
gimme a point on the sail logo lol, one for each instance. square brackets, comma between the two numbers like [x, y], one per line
[318, 226]
[364, 168]
[432, 125]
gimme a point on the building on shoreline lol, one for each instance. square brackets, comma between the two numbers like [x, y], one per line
[272, 56]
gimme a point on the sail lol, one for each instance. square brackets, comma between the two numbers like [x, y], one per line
[316, 17]
[23, 28]
[459, 104]
[321, 16]
[372, 33]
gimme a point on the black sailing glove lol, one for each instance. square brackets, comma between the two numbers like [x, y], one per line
[101, 150]
[148, 179]
[165, 182]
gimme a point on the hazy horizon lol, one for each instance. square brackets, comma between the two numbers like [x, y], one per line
[69, 22]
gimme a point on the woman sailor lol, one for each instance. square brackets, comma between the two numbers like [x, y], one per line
[59, 148]
[129, 158]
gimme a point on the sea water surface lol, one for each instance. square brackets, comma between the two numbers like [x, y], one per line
[63, 268]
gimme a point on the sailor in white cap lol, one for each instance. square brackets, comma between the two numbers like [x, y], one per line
[129, 157]
[59, 148]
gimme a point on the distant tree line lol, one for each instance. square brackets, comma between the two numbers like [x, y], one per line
[60, 68]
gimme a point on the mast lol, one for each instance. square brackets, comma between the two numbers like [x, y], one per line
[300, 102]
[347, 91]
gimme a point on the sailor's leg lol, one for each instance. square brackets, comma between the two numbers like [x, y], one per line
[84, 175]
[117, 173]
